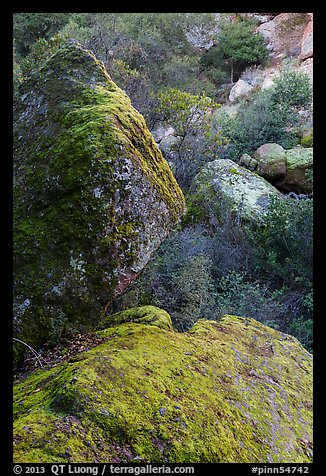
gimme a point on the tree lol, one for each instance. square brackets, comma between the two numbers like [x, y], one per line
[191, 118]
[238, 46]
[29, 27]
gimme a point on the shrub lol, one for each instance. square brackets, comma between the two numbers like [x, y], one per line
[284, 246]
[192, 293]
[191, 116]
[293, 89]
[29, 27]
[238, 46]
[178, 279]
[267, 117]
[40, 51]
[239, 295]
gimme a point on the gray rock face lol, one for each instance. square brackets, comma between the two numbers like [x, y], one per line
[93, 195]
[247, 193]
[248, 162]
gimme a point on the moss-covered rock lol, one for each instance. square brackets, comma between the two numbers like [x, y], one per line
[142, 315]
[271, 161]
[226, 391]
[299, 171]
[226, 185]
[93, 196]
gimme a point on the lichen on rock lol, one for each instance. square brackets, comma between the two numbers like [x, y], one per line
[93, 195]
[271, 161]
[226, 391]
[299, 171]
[225, 184]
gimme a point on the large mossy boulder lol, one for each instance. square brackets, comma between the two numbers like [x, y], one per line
[226, 391]
[270, 161]
[225, 185]
[299, 171]
[93, 195]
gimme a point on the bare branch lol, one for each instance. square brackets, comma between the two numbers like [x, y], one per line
[38, 357]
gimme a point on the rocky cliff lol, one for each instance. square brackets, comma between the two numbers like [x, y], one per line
[93, 196]
[226, 391]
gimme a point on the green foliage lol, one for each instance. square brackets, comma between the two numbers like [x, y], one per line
[186, 111]
[307, 140]
[191, 117]
[237, 47]
[29, 27]
[239, 294]
[39, 52]
[192, 292]
[267, 117]
[293, 89]
[284, 246]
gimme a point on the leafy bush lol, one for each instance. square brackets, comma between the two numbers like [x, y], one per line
[284, 246]
[40, 51]
[239, 295]
[237, 47]
[179, 279]
[293, 89]
[267, 117]
[192, 293]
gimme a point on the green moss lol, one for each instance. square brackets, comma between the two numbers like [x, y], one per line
[307, 139]
[143, 315]
[227, 391]
[233, 170]
[81, 153]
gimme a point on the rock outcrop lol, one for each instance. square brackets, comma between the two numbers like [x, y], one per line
[93, 195]
[226, 184]
[307, 50]
[226, 391]
[284, 33]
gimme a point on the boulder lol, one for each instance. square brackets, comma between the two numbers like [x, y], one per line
[307, 46]
[169, 143]
[269, 79]
[248, 162]
[227, 391]
[93, 195]
[240, 89]
[307, 67]
[299, 168]
[227, 185]
[161, 132]
[270, 161]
